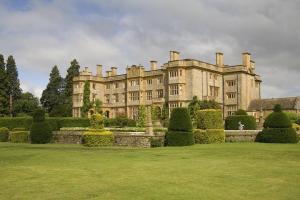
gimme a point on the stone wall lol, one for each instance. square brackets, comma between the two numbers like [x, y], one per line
[132, 139]
[241, 136]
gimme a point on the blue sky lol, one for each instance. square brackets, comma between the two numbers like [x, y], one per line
[41, 34]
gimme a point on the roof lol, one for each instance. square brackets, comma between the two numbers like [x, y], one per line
[288, 103]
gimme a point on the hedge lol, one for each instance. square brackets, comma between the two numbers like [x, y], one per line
[99, 138]
[55, 122]
[19, 136]
[119, 122]
[277, 135]
[179, 138]
[180, 120]
[209, 119]
[209, 136]
[4, 133]
[277, 120]
[40, 133]
[232, 122]
[156, 142]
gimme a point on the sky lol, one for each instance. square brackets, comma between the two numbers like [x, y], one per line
[120, 33]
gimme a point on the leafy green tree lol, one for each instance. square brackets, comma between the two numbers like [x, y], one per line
[141, 121]
[52, 96]
[14, 90]
[209, 104]
[98, 106]
[193, 107]
[4, 97]
[72, 72]
[87, 105]
[27, 104]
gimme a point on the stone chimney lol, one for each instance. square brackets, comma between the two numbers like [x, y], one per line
[86, 69]
[99, 70]
[246, 60]
[108, 73]
[219, 59]
[153, 65]
[174, 55]
[113, 71]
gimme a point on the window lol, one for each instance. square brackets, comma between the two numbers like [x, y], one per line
[94, 97]
[173, 73]
[214, 91]
[116, 97]
[94, 86]
[160, 93]
[149, 95]
[231, 95]
[215, 76]
[134, 96]
[134, 82]
[116, 85]
[174, 90]
[107, 86]
[180, 71]
[231, 110]
[107, 98]
[149, 81]
[231, 83]
[160, 80]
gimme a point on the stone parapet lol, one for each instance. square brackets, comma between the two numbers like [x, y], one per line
[241, 135]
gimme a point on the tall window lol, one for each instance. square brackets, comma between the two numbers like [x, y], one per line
[134, 82]
[94, 86]
[160, 93]
[173, 73]
[231, 95]
[134, 96]
[116, 97]
[149, 81]
[160, 80]
[231, 109]
[231, 83]
[149, 95]
[214, 91]
[174, 90]
[107, 86]
[107, 98]
[116, 85]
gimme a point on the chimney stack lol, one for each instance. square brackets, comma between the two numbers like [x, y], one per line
[246, 59]
[219, 59]
[99, 70]
[174, 55]
[86, 69]
[153, 65]
[113, 71]
[108, 73]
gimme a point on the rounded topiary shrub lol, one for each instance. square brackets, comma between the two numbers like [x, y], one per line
[209, 119]
[40, 132]
[277, 129]
[96, 121]
[232, 122]
[180, 128]
[4, 133]
[209, 136]
[240, 112]
[180, 120]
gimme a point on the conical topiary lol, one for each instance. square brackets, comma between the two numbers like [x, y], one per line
[40, 132]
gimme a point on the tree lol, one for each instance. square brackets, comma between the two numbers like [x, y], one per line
[98, 106]
[27, 104]
[209, 104]
[4, 97]
[72, 72]
[86, 99]
[14, 90]
[193, 107]
[141, 121]
[52, 96]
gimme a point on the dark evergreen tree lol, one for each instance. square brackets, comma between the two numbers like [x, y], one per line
[86, 99]
[52, 96]
[27, 104]
[4, 98]
[14, 90]
[71, 73]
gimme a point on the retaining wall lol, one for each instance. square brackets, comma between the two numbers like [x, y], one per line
[241, 136]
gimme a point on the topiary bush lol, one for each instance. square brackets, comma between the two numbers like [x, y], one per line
[40, 132]
[180, 128]
[97, 138]
[209, 119]
[180, 138]
[240, 112]
[209, 136]
[277, 135]
[232, 122]
[4, 133]
[19, 136]
[180, 120]
[96, 121]
[277, 129]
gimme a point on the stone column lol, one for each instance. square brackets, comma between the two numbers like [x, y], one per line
[149, 126]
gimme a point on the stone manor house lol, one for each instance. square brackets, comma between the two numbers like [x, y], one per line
[175, 83]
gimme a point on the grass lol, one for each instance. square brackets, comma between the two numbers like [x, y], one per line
[221, 171]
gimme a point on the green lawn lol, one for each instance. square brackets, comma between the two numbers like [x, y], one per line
[223, 171]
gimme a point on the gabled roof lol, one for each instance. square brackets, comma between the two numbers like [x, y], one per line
[288, 103]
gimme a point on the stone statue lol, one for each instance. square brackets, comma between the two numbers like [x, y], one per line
[241, 126]
[149, 126]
